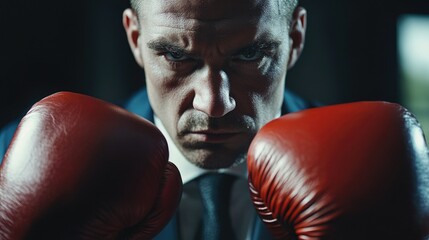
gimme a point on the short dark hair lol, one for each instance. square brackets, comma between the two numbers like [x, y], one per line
[286, 7]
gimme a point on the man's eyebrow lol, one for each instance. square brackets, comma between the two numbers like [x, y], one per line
[262, 44]
[163, 45]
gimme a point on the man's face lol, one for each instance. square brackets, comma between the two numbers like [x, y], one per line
[215, 72]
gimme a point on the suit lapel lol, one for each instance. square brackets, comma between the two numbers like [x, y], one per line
[260, 232]
[170, 231]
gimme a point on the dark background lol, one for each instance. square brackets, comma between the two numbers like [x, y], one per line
[48, 46]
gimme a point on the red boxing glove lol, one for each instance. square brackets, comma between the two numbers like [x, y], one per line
[80, 168]
[350, 171]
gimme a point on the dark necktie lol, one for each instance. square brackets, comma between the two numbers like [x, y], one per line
[215, 195]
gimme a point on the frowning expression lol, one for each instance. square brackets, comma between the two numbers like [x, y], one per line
[215, 71]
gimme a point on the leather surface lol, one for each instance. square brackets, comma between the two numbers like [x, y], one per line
[350, 171]
[80, 168]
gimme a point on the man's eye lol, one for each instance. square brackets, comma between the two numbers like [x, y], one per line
[176, 56]
[250, 54]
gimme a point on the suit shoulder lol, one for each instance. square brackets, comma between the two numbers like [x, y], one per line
[294, 103]
[139, 104]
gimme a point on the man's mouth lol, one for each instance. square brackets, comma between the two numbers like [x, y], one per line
[213, 136]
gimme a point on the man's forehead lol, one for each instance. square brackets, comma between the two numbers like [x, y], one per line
[211, 10]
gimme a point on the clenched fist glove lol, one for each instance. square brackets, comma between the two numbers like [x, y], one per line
[80, 168]
[350, 171]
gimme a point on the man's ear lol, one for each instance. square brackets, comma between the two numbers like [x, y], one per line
[131, 25]
[297, 35]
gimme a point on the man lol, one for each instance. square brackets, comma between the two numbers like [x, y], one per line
[215, 74]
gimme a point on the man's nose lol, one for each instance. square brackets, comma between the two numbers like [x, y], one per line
[213, 93]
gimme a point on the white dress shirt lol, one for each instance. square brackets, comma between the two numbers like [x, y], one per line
[190, 210]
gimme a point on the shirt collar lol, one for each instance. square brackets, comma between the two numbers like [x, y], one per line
[189, 171]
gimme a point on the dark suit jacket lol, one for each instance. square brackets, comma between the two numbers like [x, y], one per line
[139, 104]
